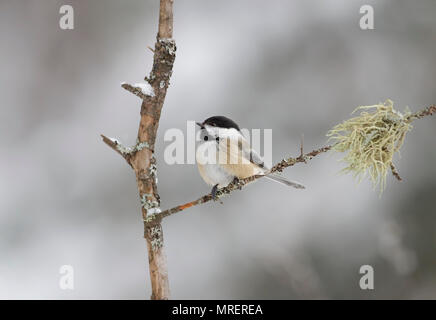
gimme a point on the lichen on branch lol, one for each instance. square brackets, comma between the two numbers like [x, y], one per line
[371, 140]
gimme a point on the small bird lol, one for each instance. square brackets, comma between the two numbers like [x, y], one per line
[225, 154]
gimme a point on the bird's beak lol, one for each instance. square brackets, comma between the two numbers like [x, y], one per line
[200, 125]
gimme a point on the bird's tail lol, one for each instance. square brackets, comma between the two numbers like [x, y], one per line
[284, 181]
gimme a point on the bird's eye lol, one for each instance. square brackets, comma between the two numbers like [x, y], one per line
[206, 138]
[217, 139]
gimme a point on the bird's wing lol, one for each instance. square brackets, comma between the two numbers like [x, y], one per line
[238, 159]
[256, 159]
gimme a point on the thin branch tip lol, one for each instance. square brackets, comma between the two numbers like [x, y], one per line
[395, 172]
[301, 145]
[239, 184]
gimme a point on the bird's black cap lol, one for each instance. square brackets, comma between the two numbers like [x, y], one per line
[221, 122]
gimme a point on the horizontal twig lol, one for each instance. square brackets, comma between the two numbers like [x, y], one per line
[285, 163]
[237, 184]
[423, 113]
[395, 172]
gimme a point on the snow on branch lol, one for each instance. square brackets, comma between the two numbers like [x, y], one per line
[142, 90]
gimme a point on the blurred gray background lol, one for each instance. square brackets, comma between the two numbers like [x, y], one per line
[298, 67]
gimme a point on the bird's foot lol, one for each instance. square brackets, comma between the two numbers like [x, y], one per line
[236, 183]
[214, 193]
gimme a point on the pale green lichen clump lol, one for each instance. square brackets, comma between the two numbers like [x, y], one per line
[371, 140]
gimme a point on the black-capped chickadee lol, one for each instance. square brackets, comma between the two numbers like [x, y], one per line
[225, 154]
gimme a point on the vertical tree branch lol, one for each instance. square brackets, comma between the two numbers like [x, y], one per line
[144, 162]
[141, 157]
[166, 19]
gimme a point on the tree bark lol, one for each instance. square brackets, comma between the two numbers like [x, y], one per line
[144, 162]
[141, 156]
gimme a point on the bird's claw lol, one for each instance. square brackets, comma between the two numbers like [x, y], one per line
[214, 193]
[236, 183]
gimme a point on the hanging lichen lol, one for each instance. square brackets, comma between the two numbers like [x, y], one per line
[371, 140]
